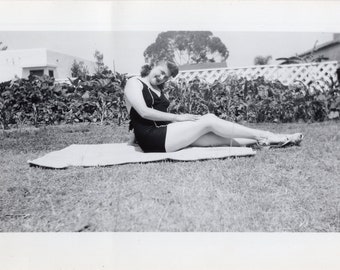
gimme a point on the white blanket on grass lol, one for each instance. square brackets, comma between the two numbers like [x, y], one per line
[121, 153]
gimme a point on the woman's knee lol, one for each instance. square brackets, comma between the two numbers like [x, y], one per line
[208, 120]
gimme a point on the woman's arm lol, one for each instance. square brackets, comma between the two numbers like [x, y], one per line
[134, 96]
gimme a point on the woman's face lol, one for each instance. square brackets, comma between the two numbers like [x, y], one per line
[159, 74]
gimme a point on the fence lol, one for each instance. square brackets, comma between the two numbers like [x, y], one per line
[321, 73]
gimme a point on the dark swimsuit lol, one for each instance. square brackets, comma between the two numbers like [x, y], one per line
[150, 135]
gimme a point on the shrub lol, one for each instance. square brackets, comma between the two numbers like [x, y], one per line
[39, 101]
[99, 98]
[239, 99]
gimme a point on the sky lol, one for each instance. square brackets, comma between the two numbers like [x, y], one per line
[124, 49]
[122, 30]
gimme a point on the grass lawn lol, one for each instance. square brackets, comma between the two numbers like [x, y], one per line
[291, 189]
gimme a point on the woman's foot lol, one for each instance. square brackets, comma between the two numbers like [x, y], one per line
[280, 140]
[292, 139]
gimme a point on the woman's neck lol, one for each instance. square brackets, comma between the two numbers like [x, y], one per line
[147, 81]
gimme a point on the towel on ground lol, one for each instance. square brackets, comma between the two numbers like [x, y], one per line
[87, 155]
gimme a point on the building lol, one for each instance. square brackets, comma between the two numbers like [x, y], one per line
[330, 49]
[22, 63]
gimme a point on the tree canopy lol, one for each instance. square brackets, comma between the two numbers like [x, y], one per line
[2, 47]
[100, 66]
[186, 47]
[262, 60]
[79, 69]
[309, 58]
[312, 56]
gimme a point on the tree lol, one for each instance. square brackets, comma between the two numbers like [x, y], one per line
[306, 58]
[79, 69]
[101, 68]
[186, 47]
[309, 58]
[2, 47]
[262, 60]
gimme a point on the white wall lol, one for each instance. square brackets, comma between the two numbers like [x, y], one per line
[20, 62]
[64, 63]
[12, 62]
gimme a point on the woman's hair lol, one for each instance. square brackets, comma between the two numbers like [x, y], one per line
[145, 70]
[173, 68]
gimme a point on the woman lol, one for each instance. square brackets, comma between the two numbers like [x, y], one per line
[156, 130]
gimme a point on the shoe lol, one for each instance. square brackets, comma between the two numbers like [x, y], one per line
[293, 139]
[289, 140]
[278, 141]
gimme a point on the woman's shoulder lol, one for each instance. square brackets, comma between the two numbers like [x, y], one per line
[135, 78]
[134, 81]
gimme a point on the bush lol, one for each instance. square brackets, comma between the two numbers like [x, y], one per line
[39, 101]
[99, 98]
[239, 99]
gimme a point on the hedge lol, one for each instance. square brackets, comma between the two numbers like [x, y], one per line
[99, 98]
[259, 100]
[39, 101]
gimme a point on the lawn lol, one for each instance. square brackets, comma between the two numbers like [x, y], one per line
[293, 189]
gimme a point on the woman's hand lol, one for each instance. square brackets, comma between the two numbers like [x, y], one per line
[132, 139]
[187, 117]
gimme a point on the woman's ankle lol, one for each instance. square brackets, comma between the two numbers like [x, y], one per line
[264, 135]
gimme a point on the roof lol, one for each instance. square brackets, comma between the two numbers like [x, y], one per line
[39, 66]
[208, 65]
[321, 47]
[42, 50]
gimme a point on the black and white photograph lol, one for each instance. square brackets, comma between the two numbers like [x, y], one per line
[190, 127]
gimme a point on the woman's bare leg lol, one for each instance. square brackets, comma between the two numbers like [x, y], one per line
[183, 134]
[211, 139]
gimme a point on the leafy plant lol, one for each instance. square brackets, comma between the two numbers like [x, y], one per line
[239, 99]
[39, 101]
[100, 98]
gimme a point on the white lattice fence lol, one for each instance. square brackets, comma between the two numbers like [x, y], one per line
[319, 73]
